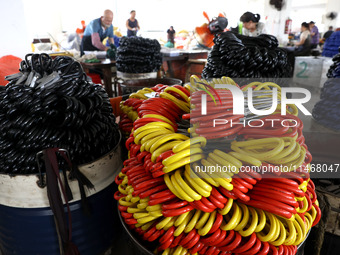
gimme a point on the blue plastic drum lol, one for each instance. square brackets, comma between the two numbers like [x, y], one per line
[27, 224]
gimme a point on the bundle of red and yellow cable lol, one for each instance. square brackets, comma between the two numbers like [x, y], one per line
[238, 212]
[129, 107]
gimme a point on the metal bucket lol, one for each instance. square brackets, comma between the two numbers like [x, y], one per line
[130, 86]
[135, 76]
[301, 246]
[26, 221]
[132, 242]
[138, 246]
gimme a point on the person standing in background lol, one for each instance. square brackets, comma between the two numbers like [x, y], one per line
[132, 24]
[304, 45]
[96, 31]
[251, 24]
[171, 38]
[171, 35]
[328, 33]
[315, 36]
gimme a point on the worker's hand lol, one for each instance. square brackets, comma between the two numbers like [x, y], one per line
[107, 48]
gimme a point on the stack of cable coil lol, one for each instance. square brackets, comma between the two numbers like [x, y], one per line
[51, 104]
[327, 110]
[165, 200]
[334, 69]
[203, 125]
[331, 46]
[138, 55]
[129, 108]
[239, 56]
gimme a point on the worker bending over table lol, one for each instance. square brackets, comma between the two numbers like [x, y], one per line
[96, 31]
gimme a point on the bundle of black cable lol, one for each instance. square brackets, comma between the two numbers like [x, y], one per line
[334, 69]
[138, 55]
[327, 110]
[239, 56]
[51, 104]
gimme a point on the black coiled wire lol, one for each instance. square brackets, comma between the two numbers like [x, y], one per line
[138, 55]
[334, 70]
[70, 113]
[327, 110]
[239, 56]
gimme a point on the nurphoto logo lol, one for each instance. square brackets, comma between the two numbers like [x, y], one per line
[238, 100]
[239, 104]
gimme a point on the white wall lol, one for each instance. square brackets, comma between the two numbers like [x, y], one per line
[304, 3]
[316, 10]
[157, 14]
[22, 20]
[275, 22]
[42, 18]
[307, 14]
[332, 6]
[301, 11]
[14, 38]
[76, 10]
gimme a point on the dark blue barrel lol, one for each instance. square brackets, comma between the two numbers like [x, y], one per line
[27, 228]
[32, 230]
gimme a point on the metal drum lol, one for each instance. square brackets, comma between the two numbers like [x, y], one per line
[134, 76]
[133, 244]
[301, 246]
[26, 221]
[136, 246]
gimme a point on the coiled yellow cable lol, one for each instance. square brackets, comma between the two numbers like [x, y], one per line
[184, 106]
[189, 143]
[163, 148]
[275, 146]
[183, 162]
[237, 216]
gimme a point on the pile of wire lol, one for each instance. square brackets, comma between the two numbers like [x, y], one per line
[163, 197]
[326, 111]
[220, 106]
[129, 115]
[51, 104]
[331, 46]
[240, 56]
[334, 69]
[138, 55]
[263, 40]
[130, 106]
